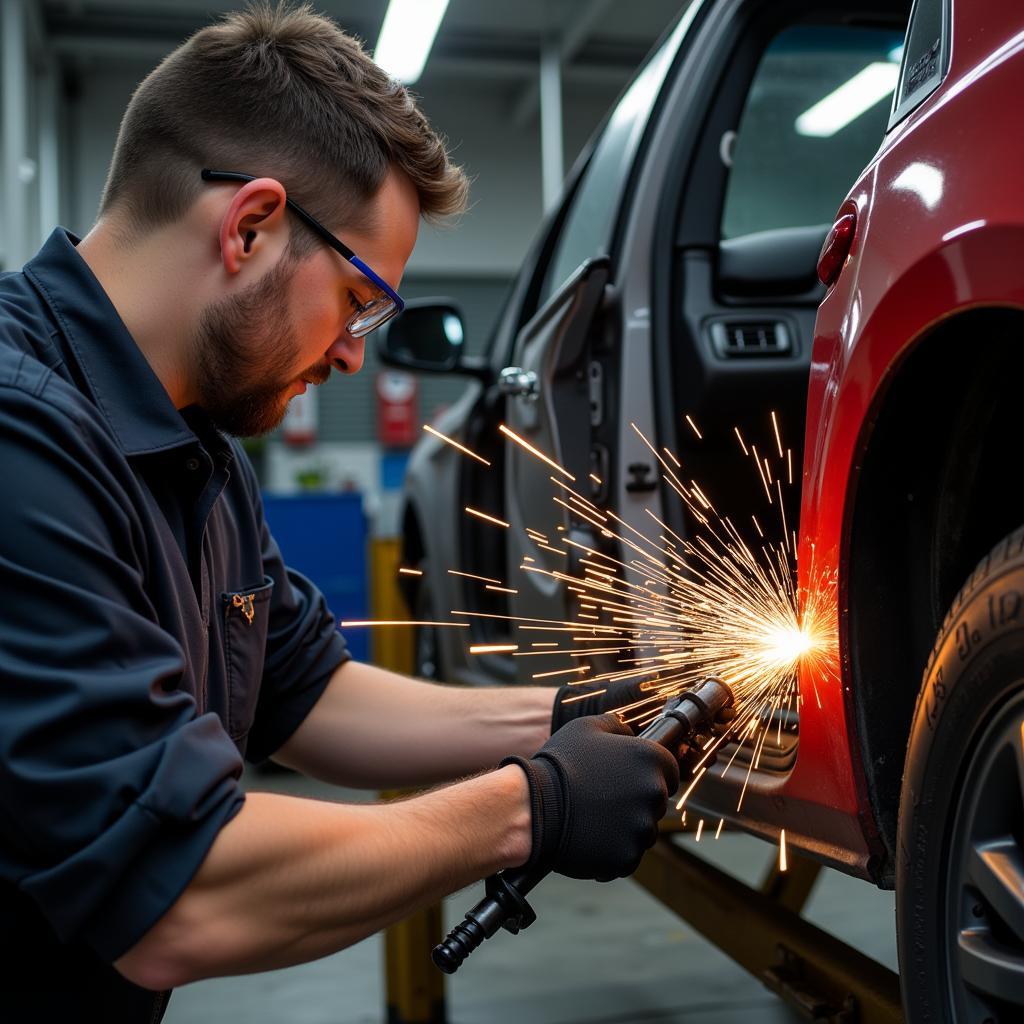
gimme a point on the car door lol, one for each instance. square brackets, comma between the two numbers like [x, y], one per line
[725, 256]
[549, 413]
[558, 379]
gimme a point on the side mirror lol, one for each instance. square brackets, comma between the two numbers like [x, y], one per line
[427, 336]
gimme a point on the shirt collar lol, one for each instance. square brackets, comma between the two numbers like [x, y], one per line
[123, 385]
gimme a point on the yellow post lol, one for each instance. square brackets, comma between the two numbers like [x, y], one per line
[413, 987]
[393, 647]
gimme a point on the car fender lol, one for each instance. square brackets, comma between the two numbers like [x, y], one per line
[866, 327]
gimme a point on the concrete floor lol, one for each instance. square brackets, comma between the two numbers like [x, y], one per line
[598, 954]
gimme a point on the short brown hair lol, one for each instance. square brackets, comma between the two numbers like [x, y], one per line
[275, 91]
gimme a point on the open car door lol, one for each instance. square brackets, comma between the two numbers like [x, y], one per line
[552, 404]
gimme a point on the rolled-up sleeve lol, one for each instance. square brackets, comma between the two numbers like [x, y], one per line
[111, 788]
[304, 648]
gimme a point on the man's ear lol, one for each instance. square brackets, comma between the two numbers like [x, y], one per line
[253, 221]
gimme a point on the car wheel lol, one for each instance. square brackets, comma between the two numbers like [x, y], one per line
[960, 871]
[427, 642]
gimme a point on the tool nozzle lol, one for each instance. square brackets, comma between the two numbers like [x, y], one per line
[689, 713]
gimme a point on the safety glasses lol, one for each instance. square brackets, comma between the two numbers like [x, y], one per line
[384, 306]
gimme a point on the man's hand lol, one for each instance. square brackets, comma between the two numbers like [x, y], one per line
[596, 796]
[570, 702]
[642, 706]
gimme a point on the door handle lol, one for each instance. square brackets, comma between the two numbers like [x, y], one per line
[519, 383]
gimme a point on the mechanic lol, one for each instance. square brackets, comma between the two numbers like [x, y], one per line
[152, 635]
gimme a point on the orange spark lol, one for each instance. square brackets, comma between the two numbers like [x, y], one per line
[582, 696]
[778, 436]
[486, 517]
[352, 623]
[689, 789]
[473, 576]
[512, 435]
[455, 444]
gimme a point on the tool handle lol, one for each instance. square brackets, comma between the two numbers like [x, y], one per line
[668, 731]
[505, 904]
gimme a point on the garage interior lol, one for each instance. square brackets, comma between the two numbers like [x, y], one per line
[518, 90]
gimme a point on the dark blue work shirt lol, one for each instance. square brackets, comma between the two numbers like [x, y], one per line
[150, 636]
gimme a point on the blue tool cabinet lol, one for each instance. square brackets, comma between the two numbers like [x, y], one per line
[324, 537]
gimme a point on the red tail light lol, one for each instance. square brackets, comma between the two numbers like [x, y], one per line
[837, 244]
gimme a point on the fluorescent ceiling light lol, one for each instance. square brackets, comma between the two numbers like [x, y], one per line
[407, 36]
[849, 101]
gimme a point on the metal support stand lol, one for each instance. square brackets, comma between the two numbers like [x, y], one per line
[762, 930]
[414, 989]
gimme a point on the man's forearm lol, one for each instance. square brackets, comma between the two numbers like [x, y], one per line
[291, 880]
[376, 729]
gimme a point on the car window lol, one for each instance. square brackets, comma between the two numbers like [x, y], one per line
[815, 115]
[589, 223]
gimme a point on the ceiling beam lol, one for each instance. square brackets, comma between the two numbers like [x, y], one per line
[129, 51]
[572, 40]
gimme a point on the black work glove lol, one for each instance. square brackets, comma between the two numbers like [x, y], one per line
[623, 694]
[597, 794]
[617, 695]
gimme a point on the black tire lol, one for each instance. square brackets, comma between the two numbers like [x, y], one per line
[960, 871]
[426, 639]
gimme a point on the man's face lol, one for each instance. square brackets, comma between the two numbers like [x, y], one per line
[257, 350]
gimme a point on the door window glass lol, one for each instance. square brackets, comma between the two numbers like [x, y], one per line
[588, 225]
[815, 115]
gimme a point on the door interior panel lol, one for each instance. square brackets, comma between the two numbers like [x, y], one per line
[734, 341]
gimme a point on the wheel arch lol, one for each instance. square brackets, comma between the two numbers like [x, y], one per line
[935, 490]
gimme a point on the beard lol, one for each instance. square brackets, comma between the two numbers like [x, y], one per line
[245, 354]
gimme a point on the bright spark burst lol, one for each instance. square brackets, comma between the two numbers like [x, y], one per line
[666, 610]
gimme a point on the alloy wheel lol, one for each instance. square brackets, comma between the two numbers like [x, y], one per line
[985, 883]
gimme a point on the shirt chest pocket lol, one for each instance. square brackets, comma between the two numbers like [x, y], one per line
[246, 617]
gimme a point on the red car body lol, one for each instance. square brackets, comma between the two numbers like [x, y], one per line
[939, 235]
